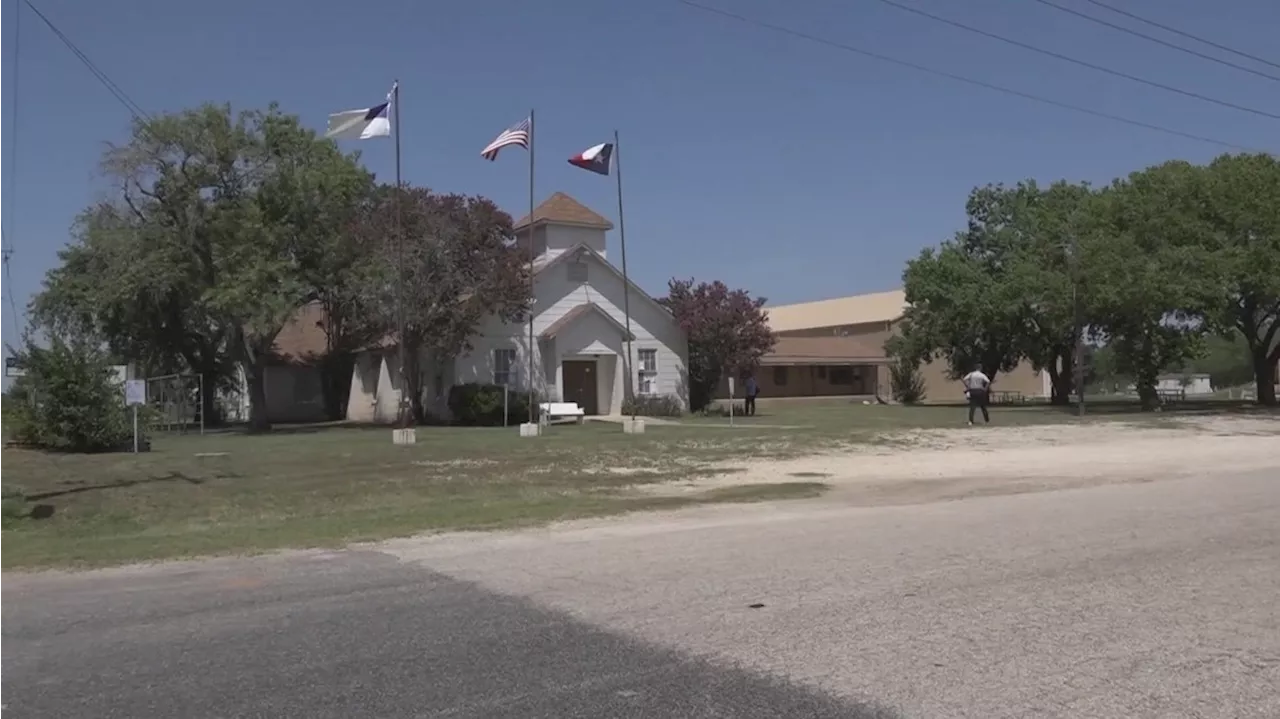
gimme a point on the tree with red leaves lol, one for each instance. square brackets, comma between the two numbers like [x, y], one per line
[728, 332]
[459, 264]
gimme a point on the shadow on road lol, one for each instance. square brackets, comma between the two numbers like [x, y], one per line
[343, 635]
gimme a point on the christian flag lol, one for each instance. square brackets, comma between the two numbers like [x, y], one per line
[362, 124]
[596, 159]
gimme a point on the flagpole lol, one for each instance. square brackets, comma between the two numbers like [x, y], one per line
[626, 283]
[532, 286]
[402, 415]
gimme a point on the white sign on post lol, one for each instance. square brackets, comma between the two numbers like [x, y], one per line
[731, 400]
[13, 368]
[135, 393]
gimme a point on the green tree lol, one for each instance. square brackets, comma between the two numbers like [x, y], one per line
[68, 400]
[118, 284]
[1227, 359]
[906, 383]
[1026, 236]
[1241, 205]
[1150, 277]
[975, 300]
[199, 256]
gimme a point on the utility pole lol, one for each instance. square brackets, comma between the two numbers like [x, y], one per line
[1077, 310]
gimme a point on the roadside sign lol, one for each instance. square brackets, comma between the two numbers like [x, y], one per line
[13, 368]
[135, 392]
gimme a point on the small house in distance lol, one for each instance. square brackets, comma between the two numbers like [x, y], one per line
[835, 347]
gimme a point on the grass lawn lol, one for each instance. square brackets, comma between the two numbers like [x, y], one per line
[327, 486]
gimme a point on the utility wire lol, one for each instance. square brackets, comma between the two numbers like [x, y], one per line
[962, 78]
[134, 108]
[1184, 33]
[1077, 61]
[12, 139]
[6, 254]
[1166, 43]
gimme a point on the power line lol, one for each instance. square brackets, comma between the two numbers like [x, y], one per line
[1184, 33]
[962, 78]
[1158, 41]
[7, 252]
[1081, 63]
[13, 117]
[134, 108]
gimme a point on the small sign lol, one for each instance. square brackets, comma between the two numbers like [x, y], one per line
[135, 392]
[730, 387]
[13, 368]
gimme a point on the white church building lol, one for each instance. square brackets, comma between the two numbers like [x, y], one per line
[579, 350]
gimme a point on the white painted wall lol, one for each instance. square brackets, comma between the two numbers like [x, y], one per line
[591, 335]
[375, 391]
[374, 395]
[1195, 384]
[554, 240]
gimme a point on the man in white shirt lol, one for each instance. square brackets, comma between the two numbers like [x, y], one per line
[976, 385]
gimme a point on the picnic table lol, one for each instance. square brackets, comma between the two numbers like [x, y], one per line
[1007, 397]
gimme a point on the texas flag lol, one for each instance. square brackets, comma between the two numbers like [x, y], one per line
[595, 159]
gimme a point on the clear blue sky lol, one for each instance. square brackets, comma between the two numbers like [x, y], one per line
[791, 169]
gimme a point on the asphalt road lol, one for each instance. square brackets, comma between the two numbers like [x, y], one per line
[1151, 599]
[346, 635]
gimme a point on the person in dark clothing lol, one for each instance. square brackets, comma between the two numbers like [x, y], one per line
[752, 389]
[976, 386]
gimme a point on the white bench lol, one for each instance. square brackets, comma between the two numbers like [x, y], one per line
[561, 410]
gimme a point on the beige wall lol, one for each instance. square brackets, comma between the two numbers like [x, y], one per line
[941, 388]
[874, 332]
[803, 380]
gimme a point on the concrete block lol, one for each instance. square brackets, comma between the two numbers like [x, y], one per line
[530, 429]
[633, 426]
[405, 436]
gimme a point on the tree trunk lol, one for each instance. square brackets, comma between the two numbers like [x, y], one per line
[1264, 368]
[1061, 381]
[336, 369]
[255, 375]
[702, 390]
[209, 410]
[412, 389]
[1145, 382]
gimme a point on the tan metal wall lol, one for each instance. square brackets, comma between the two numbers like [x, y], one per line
[874, 332]
[941, 388]
[938, 386]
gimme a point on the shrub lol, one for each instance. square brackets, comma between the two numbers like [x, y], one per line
[721, 409]
[13, 505]
[906, 380]
[69, 400]
[653, 405]
[480, 405]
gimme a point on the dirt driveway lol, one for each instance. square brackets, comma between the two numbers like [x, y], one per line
[932, 465]
[1149, 594]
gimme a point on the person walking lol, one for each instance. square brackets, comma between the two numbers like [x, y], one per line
[976, 387]
[752, 389]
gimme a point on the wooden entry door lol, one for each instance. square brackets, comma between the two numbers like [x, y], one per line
[580, 384]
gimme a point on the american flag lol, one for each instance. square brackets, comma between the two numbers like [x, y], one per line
[517, 134]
